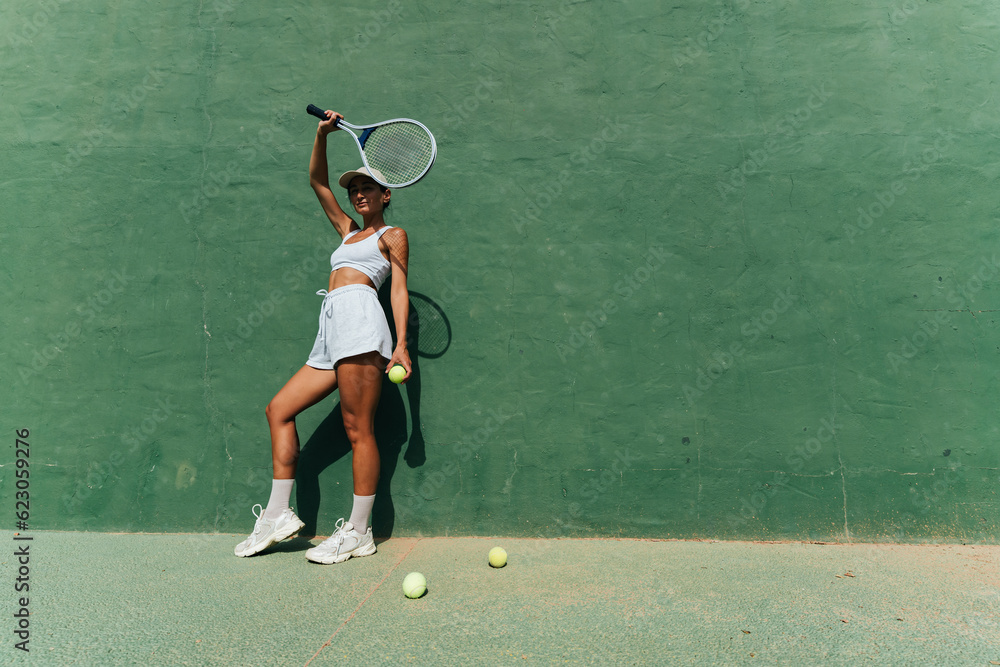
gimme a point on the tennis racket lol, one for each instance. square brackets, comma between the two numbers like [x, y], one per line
[403, 150]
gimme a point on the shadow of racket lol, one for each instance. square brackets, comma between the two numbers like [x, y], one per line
[429, 331]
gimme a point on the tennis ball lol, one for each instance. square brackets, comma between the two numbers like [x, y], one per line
[397, 373]
[498, 557]
[414, 585]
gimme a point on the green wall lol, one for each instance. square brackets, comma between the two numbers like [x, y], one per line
[710, 271]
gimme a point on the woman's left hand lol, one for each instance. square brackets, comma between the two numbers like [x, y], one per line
[401, 356]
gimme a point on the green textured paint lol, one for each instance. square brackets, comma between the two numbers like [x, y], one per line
[668, 316]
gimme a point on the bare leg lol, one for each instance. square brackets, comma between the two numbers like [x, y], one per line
[307, 387]
[360, 380]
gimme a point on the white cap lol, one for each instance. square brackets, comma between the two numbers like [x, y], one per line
[348, 176]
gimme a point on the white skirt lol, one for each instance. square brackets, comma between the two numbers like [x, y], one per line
[351, 322]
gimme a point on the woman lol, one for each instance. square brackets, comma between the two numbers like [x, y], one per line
[352, 350]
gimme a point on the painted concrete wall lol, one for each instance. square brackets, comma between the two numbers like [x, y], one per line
[708, 270]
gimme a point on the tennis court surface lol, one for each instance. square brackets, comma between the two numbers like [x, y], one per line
[127, 599]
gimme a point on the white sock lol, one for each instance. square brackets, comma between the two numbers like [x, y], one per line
[281, 493]
[361, 512]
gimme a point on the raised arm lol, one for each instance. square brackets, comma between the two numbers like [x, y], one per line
[319, 178]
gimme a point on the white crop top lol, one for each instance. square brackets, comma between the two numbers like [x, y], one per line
[364, 256]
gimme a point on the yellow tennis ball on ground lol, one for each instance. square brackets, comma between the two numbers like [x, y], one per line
[397, 373]
[414, 585]
[498, 557]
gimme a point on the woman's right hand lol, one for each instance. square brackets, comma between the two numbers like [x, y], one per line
[327, 126]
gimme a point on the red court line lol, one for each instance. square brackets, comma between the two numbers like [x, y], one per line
[362, 603]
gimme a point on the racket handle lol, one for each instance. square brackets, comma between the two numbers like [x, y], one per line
[316, 111]
[319, 113]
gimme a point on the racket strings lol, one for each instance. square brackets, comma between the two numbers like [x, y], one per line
[401, 151]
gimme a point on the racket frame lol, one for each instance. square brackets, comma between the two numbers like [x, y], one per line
[366, 130]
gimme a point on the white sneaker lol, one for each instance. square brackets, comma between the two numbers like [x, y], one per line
[269, 531]
[343, 544]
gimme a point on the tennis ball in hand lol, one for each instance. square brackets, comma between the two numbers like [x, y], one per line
[498, 557]
[397, 373]
[414, 585]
